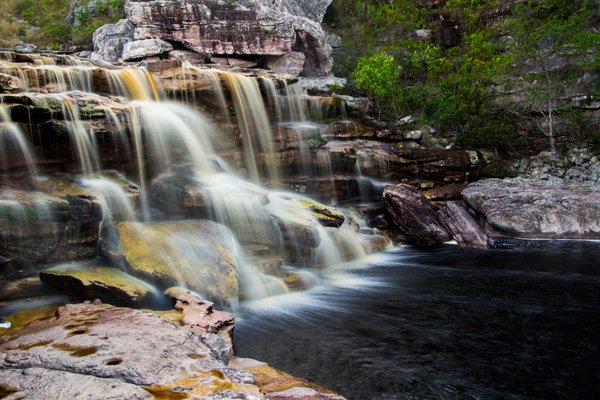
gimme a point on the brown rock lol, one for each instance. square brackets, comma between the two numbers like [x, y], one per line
[462, 226]
[413, 214]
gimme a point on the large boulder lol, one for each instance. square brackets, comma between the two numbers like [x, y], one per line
[530, 208]
[413, 214]
[110, 39]
[197, 254]
[311, 9]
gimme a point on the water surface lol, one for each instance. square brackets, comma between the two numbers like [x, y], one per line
[444, 323]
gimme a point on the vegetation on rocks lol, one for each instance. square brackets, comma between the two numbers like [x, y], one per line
[55, 24]
[485, 73]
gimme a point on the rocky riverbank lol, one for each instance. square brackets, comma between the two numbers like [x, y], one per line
[98, 351]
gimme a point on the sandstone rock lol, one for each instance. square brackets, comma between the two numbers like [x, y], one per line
[327, 216]
[413, 214]
[311, 40]
[241, 27]
[41, 384]
[291, 63]
[233, 62]
[321, 86]
[198, 254]
[455, 217]
[95, 342]
[186, 55]
[145, 48]
[110, 39]
[530, 208]
[105, 283]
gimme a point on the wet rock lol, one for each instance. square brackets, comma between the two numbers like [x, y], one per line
[38, 227]
[531, 208]
[40, 383]
[96, 341]
[413, 214]
[110, 39]
[21, 288]
[145, 48]
[327, 216]
[198, 254]
[463, 227]
[105, 283]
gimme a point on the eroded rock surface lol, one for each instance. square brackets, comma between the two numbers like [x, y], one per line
[413, 214]
[531, 208]
[463, 227]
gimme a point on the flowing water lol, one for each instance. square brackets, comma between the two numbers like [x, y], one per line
[444, 323]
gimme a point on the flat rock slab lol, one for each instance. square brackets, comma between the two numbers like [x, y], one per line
[530, 208]
[105, 283]
[99, 345]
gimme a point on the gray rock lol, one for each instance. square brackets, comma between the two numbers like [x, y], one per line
[531, 208]
[413, 214]
[291, 63]
[43, 384]
[145, 48]
[334, 40]
[110, 39]
[462, 226]
[25, 48]
[311, 9]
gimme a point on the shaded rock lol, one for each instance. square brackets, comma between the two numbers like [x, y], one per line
[291, 63]
[234, 62]
[20, 288]
[41, 384]
[97, 341]
[311, 40]
[145, 48]
[462, 226]
[321, 86]
[110, 39]
[198, 254]
[413, 214]
[536, 209]
[186, 55]
[105, 283]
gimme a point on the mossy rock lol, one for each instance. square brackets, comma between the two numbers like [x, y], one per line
[195, 254]
[109, 284]
[327, 216]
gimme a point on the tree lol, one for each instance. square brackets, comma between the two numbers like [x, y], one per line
[549, 38]
[378, 75]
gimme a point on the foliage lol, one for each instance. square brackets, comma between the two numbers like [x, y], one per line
[456, 87]
[48, 23]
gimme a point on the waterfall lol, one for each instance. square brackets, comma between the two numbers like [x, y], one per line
[165, 141]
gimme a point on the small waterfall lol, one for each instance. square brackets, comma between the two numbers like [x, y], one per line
[133, 84]
[13, 145]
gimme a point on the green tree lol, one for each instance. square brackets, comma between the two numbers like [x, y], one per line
[377, 75]
[549, 38]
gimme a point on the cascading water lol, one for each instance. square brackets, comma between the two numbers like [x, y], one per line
[169, 141]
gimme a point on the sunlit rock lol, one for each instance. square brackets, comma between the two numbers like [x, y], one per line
[196, 254]
[105, 283]
[145, 48]
[110, 39]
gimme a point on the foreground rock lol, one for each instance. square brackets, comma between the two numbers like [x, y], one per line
[108, 284]
[197, 254]
[96, 343]
[530, 208]
[413, 214]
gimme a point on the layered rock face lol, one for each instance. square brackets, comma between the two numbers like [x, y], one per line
[272, 33]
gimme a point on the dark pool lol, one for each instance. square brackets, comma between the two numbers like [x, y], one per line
[444, 323]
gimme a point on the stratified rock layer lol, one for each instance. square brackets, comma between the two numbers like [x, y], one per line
[536, 209]
[413, 214]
